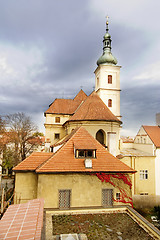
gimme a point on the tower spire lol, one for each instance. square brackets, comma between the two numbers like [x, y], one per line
[107, 57]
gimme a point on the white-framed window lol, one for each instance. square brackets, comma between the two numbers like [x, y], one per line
[85, 153]
[118, 196]
[143, 174]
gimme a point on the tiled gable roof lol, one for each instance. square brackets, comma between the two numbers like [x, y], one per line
[154, 134]
[64, 159]
[66, 106]
[93, 108]
[33, 161]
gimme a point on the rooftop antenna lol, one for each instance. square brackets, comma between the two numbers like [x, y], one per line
[81, 87]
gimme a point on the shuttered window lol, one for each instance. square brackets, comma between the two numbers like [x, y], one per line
[64, 199]
[107, 197]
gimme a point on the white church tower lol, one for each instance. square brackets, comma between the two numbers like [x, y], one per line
[107, 77]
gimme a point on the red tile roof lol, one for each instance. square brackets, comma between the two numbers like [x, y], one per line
[66, 106]
[154, 134]
[23, 221]
[33, 161]
[64, 159]
[93, 108]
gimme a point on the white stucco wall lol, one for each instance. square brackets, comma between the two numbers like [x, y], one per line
[106, 90]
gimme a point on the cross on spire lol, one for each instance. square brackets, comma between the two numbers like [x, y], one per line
[107, 17]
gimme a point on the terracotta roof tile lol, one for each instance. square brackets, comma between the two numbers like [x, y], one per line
[33, 161]
[64, 160]
[66, 106]
[23, 221]
[154, 134]
[93, 108]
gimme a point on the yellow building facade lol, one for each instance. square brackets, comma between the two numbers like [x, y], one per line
[143, 155]
[85, 190]
[80, 174]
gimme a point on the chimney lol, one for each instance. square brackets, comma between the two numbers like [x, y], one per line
[158, 119]
[88, 163]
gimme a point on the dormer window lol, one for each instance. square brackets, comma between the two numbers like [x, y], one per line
[81, 153]
[85, 153]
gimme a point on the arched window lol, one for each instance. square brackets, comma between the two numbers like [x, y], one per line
[109, 102]
[100, 137]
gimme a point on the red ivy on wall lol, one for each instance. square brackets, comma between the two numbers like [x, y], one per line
[125, 178]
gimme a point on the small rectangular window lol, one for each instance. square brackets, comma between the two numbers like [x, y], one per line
[57, 119]
[56, 136]
[89, 153]
[143, 174]
[97, 82]
[110, 79]
[118, 196]
[81, 153]
[109, 102]
[85, 153]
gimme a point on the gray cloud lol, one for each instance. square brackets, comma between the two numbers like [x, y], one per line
[49, 49]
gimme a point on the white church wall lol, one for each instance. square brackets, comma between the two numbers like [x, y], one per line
[94, 126]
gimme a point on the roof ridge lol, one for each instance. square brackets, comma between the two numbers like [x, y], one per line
[60, 149]
[93, 108]
[43, 162]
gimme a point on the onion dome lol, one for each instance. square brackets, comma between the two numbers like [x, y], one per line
[107, 57]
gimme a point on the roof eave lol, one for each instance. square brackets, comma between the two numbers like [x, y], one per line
[87, 171]
[79, 120]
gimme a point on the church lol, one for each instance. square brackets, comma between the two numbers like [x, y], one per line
[99, 112]
[79, 167]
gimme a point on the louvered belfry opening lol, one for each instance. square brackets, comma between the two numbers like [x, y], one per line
[107, 197]
[64, 199]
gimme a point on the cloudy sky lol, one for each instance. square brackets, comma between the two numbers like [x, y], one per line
[49, 49]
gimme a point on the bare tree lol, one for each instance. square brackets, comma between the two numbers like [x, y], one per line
[2, 130]
[20, 131]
